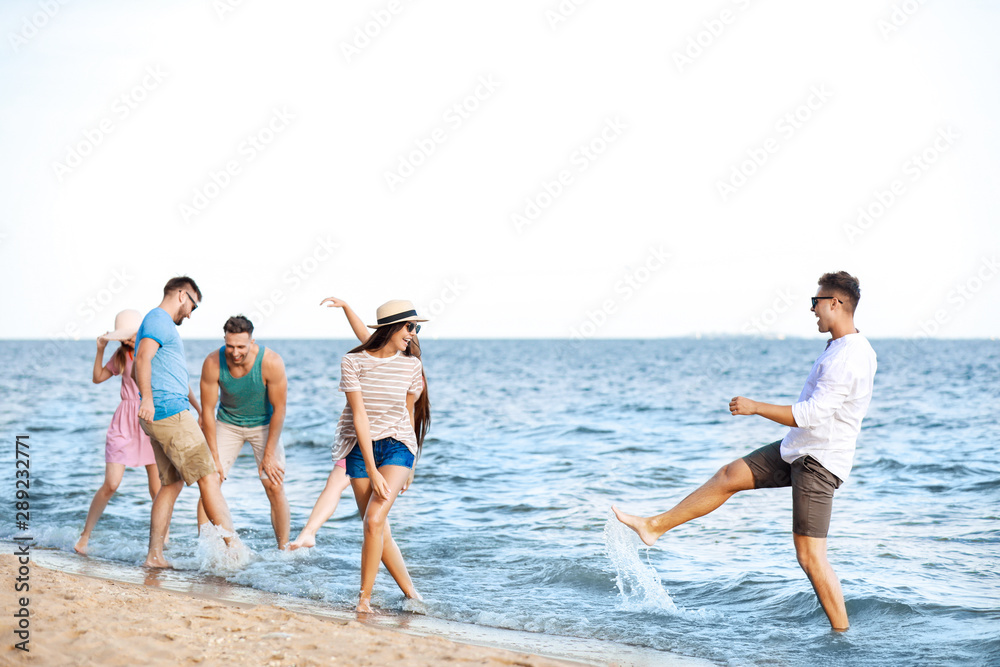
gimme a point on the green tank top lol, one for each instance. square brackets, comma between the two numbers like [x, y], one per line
[244, 400]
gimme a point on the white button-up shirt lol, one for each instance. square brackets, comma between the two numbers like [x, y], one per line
[831, 406]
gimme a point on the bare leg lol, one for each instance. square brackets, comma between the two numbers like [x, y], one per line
[159, 522]
[376, 510]
[811, 552]
[392, 558]
[281, 516]
[154, 479]
[113, 473]
[324, 508]
[730, 478]
[153, 475]
[215, 505]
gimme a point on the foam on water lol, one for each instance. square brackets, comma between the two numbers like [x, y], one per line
[214, 556]
[639, 586]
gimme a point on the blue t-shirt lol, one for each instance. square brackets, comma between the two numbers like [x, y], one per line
[170, 375]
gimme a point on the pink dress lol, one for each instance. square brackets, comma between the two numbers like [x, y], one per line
[127, 443]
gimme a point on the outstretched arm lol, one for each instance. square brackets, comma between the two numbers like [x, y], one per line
[781, 414]
[273, 370]
[359, 328]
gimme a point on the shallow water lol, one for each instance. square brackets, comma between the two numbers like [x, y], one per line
[507, 523]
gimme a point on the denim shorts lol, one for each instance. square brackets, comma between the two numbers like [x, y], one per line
[388, 452]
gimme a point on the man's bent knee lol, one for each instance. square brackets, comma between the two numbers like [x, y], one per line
[736, 476]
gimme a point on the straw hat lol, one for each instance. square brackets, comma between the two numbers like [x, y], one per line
[398, 310]
[126, 325]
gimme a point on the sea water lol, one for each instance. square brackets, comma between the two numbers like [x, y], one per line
[508, 525]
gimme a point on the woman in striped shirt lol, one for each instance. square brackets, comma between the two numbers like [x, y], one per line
[376, 432]
[338, 480]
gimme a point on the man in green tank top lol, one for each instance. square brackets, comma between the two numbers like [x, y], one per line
[249, 383]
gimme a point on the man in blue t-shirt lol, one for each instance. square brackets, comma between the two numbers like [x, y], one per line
[182, 453]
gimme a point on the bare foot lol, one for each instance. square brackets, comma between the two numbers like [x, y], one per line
[364, 605]
[81, 546]
[159, 563]
[639, 524]
[303, 541]
[415, 596]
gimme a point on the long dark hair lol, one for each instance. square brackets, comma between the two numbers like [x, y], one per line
[422, 408]
[120, 354]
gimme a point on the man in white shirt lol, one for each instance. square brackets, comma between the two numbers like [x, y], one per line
[814, 458]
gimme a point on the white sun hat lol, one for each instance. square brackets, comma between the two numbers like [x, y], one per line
[126, 325]
[394, 311]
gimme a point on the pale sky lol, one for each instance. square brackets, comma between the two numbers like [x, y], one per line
[639, 169]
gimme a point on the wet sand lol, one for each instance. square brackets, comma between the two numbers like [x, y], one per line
[76, 620]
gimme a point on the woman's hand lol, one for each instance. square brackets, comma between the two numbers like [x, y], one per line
[333, 302]
[102, 340]
[409, 480]
[379, 485]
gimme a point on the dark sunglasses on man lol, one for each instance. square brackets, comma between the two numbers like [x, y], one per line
[816, 299]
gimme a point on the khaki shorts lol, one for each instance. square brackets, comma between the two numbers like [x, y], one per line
[229, 440]
[812, 487]
[180, 448]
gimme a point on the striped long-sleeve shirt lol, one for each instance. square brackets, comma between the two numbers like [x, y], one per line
[384, 384]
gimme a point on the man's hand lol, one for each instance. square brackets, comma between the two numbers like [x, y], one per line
[274, 472]
[742, 406]
[379, 485]
[409, 480]
[146, 409]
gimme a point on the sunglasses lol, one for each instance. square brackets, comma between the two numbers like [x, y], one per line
[195, 306]
[816, 299]
[413, 327]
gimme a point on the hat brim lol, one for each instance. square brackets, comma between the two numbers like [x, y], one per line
[122, 334]
[405, 319]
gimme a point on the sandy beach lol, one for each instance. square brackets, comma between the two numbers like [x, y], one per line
[77, 620]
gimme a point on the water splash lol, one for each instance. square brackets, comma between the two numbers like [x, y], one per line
[639, 587]
[215, 556]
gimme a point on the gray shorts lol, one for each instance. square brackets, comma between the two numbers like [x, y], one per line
[812, 487]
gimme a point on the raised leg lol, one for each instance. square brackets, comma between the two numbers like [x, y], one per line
[811, 553]
[113, 473]
[159, 522]
[730, 479]
[324, 508]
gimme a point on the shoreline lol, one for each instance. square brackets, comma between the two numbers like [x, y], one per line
[191, 619]
[80, 620]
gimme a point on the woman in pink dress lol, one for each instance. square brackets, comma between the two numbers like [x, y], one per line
[126, 443]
